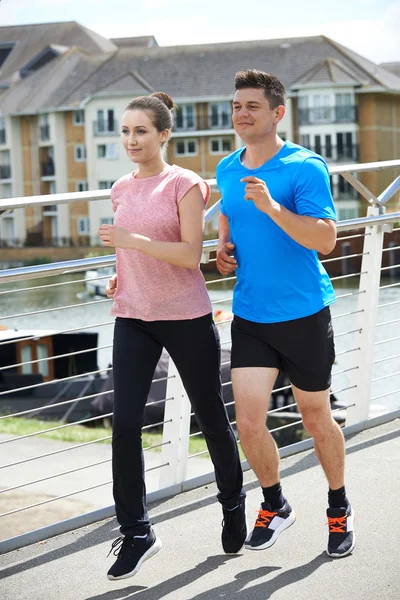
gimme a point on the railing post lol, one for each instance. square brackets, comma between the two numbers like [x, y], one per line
[176, 431]
[366, 319]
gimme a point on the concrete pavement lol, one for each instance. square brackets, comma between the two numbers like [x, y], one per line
[191, 565]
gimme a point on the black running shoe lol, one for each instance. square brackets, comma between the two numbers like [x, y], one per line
[234, 528]
[269, 524]
[131, 552]
[341, 539]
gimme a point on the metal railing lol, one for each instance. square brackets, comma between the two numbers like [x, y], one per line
[365, 386]
[327, 114]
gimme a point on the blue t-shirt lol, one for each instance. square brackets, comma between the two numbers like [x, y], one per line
[277, 278]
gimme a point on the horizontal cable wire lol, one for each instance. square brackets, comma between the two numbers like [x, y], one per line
[391, 285]
[101, 462]
[390, 248]
[54, 452]
[348, 276]
[385, 377]
[52, 285]
[388, 322]
[347, 351]
[55, 308]
[221, 280]
[390, 267]
[350, 294]
[55, 356]
[388, 304]
[328, 260]
[376, 362]
[51, 382]
[58, 332]
[352, 237]
[348, 314]
[388, 340]
[387, 394]
[223, 300]
[347, 332]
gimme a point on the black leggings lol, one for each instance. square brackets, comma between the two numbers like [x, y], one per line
[194, 347]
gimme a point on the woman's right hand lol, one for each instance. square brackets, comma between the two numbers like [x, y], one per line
[111, 286]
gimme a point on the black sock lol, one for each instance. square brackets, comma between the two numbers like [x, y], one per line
[338, 498]
[273, 495]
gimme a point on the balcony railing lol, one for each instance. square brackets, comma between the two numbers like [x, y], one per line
[204, 123]
[5, 171]
[336, 153]
[327, 114]
[2, 136]
[104, 128]
[44, 133]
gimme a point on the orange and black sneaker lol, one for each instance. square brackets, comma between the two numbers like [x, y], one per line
[341, 539]
[269, 524]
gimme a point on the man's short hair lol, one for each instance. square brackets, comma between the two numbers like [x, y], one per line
[273, 88]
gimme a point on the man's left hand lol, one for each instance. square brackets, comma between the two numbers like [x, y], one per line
[257, 191]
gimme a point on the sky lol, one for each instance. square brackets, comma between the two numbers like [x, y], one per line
[369, 27]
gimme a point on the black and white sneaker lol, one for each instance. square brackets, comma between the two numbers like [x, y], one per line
[234, 528]
[131, 552]
[341, 539]
[269, 524]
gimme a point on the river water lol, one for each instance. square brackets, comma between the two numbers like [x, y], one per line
[83, 312]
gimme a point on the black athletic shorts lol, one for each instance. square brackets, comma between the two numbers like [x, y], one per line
[303, 348]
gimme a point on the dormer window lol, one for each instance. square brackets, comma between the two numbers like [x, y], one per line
[5, 50]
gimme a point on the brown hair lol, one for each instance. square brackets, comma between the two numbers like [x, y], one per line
[273, 89]
[160, 105]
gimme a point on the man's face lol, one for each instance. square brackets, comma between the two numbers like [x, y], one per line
[252, 116]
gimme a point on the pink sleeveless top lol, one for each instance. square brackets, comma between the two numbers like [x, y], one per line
[148, 288]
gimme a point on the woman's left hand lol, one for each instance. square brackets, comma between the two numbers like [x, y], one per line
[111, 235]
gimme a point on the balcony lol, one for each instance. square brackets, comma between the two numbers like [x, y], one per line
[104, 128]
[5, 172]
[336, 153]
[2, 136]
[204, 123]
[50, 210]
[44, 133]
[327, 114]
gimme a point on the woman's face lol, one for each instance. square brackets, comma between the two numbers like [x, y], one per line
[140, 138]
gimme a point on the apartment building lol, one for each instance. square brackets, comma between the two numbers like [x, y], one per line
[61, 121]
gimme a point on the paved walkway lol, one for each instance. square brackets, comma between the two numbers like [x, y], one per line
[191, 565]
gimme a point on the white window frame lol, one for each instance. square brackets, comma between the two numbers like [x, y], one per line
[183, 108]
[111, 151]
[220, 141]
[222, 108]
[186, 142]
[83, 226]
[80, 149]
[105, 119]
[81, 119]
[82, 184]
[107, 184]
[106, 221]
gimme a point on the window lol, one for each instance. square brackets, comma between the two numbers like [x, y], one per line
[321, 112]
[186, 117]
[5, 50]
[186, 148]
[328, 146]
[108, 151]
[82, 186]
[106, 221]
[344, 109]
[80, 153]
[44, 127]
[305, 140]
[79, 117]
[105, 122]
[220, 115]
[2, 130]
[105, 185]
[220, 145]
[83, 226]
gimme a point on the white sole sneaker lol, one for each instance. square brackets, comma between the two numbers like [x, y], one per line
[150, 552]
[284, 525]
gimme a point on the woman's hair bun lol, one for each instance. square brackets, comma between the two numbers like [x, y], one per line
[165, 99]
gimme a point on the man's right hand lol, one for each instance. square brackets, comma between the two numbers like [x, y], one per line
[226, 264]
[111, 286]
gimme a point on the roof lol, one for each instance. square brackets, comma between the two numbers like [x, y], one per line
[30, 40]
[146, 41]
[194, 71]
[393, 67]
